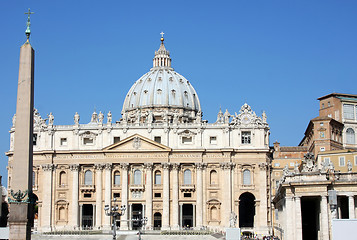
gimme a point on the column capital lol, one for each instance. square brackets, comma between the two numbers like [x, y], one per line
[201, 166]
[227, 165]
[175, 166]
[166, 166]
[263, 166]
[49, 167]
[124, 166]
[108, 166]
[99, 166]
[74, 167]
[148, 166]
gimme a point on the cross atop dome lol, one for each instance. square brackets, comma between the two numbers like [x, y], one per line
[162, 56]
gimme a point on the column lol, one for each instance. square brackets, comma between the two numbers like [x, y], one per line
[263, 218]
[226, 195]
[107, 194]
[75, 195]
[175, 197]
[199, 202]
[194, 215]
[181, 222]
[148, 194]
[124, 195]
[80, 215]
[324, 218]
[351, 207]
[298, 219]
[99, 192]
[166, 197]
[47, 197]
[289, 233]
[94, 215]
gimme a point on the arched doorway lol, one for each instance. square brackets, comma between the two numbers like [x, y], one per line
[246, 210]
[157, 221]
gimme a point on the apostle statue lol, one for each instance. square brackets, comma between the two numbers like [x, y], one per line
[109, 117]
[76, 118]
[100, 117]
[51, 119]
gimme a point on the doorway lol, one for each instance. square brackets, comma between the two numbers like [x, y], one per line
[310, 210]
[246, 210]
[187, 216]
[136, 216]
[157, 221]
[87, 216]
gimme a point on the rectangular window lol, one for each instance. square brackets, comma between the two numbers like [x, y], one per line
[187, 195]
[87, 195]
[323, 105]
[157, 195]
[34, 139]
[329, 104]
[342, 161]
[322, 149]
[116, 139]
[355, 160]
[157, 139]
[186, 140]
[63, 141]
[276, 164]
[213, 140]
[348, 111]
[292, 164]
[246, 138]
[116, 195]
[327, 160]
[88, 141]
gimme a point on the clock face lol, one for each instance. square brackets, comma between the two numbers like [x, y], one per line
[246, 119]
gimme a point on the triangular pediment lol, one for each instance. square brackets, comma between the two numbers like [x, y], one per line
[137, 142]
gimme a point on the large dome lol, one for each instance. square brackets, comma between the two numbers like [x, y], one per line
[162, 89]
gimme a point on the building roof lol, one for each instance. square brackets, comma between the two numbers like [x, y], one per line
[339, 95]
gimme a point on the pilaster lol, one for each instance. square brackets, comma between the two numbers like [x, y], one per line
[47, 197]
[148, 196]
[107, 193]
[124, 197]
[75, 195]
[99, 197]
[175, 196]
[166, 197]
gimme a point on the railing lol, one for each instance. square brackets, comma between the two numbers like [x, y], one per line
[187, 187]
[136, 187]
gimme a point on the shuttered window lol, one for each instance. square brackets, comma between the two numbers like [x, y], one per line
[348, 111]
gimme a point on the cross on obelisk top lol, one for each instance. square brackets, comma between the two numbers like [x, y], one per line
[28, 30]
[162, 37]
[162, 34]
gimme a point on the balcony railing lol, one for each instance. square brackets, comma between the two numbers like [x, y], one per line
[87, 188]
[187, 187]
[137, 187]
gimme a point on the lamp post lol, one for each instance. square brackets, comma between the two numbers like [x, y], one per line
[143, 223]
[114, 212]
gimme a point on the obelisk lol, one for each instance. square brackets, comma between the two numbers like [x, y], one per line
[20, 198]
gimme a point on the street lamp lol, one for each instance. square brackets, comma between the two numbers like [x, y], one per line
[114, 211]
[143, 223]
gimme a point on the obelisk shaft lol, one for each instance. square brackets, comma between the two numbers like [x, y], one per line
[21, 214]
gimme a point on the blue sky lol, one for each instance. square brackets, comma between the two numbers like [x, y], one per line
[276, 55]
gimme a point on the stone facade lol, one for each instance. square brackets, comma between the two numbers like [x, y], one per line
[161, 160]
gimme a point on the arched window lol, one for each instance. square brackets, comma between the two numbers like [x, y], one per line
[157, 177]
[214, 213]
[137, 177]
[246, 177]
[187, 178]
[350, 136]
[62, 178]
[117, 178]
[88, 178]
[213, 177]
